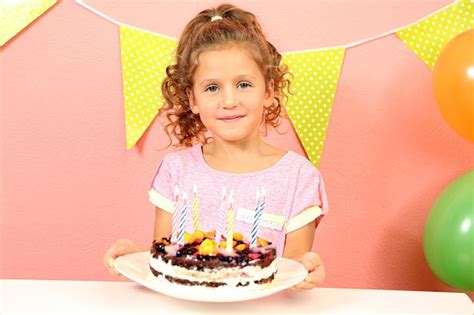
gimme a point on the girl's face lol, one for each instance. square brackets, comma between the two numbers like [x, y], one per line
[229, 94]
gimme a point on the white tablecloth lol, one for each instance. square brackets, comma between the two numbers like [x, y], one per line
[102, 297]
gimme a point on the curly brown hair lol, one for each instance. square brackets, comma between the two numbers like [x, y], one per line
[230, 25]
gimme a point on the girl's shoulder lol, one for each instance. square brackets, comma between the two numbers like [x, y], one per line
[298, 161]
[182, 154]
[288, 159]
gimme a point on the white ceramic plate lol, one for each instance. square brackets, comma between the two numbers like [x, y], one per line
[135, 267]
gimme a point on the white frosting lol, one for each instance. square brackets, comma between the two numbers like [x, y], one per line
[172, 249]
[231, 276]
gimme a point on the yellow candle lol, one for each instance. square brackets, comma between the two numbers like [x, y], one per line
[195, 210]
[230, 225]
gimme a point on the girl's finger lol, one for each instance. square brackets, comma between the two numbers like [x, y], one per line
[305, 285]
[294, 288]
[106, 259]
[308, 264]
[316, 276]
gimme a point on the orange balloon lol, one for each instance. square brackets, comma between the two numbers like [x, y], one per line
[453, 84]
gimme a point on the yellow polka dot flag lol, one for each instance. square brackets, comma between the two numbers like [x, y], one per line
[428, 37]
[315, 77]
[145, 56]
[16, 15]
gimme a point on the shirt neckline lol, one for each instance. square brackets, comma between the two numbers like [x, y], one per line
[199, 152]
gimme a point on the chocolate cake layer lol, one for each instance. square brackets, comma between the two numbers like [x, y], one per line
[212, 284]
[215, 262]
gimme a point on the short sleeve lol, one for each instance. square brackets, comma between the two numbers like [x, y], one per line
[310, 199]
[161, 189]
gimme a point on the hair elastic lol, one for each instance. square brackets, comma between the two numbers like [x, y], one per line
[215, 18]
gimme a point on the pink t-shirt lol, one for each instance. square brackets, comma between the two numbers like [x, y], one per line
[295, 193]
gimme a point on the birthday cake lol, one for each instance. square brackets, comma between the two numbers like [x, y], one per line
[202, 261]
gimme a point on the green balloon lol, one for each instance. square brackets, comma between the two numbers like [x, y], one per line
[448, 239]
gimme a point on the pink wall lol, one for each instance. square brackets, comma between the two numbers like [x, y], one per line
[69, 188]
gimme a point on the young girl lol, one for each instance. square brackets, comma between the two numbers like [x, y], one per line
[228, 82]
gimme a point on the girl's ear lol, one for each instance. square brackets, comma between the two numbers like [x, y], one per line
[192, 103]
[270, 93]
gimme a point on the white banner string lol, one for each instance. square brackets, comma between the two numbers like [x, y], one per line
[108, 18]
[350, 45]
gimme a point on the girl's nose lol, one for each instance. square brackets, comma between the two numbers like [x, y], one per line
[230, 100]
[230, 103]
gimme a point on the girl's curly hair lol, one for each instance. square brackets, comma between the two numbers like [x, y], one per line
[202, 33]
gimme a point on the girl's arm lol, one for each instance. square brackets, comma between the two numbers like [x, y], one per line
[298, 246]
[299, 242]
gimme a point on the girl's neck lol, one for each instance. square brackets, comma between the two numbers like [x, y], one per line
[227, 150]
[241, 157]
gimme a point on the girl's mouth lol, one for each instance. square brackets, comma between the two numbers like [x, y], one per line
[233, 118]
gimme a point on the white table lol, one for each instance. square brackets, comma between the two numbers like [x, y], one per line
[101, 297]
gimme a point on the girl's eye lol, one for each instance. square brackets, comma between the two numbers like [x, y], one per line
[212, 88]
[244, 85]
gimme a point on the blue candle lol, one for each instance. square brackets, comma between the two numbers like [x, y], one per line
[257, 218]
[182, 221]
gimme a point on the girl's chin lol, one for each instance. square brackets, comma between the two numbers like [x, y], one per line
[232, 138]
[233, 134]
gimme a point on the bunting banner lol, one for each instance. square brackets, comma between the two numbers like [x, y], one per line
[315, 77]
[428, 37]
[16, 15]
[316, 72]
[145, 57]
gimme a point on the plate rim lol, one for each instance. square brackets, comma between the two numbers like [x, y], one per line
[242, 294]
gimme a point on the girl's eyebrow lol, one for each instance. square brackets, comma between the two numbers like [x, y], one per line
[245, 76]
[206, 81]
[237, 78]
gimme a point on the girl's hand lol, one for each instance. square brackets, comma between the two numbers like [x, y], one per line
[315, 267]
[120, 248]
